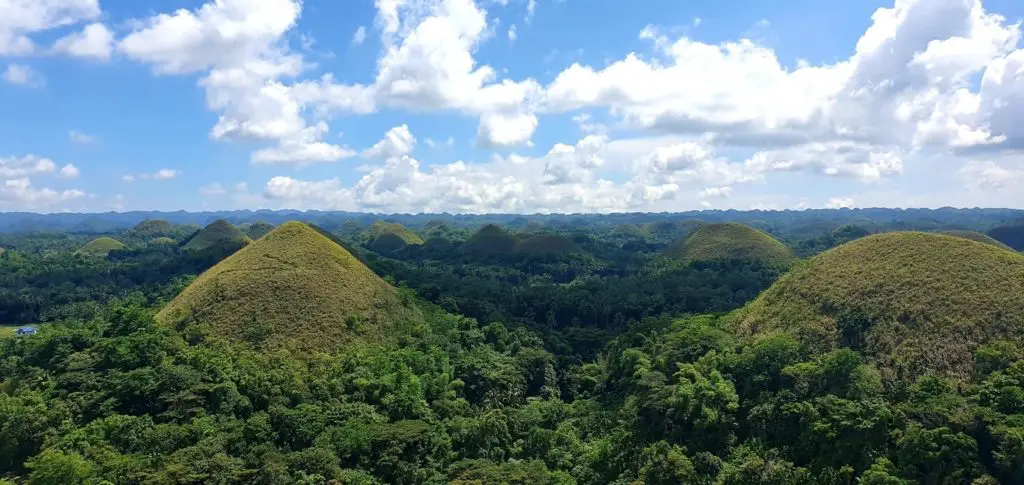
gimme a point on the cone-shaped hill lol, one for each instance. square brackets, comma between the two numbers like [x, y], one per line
[101, 246]
[387, 237]
[293, 288]
[490, 239]
[256, 230]
[219, 233]
[152, 228]
[730, 242]
[546, 243]
[912, 302]
[977, 236]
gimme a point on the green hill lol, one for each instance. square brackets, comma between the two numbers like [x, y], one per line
[730, 242]
[293, 288]
[256, 230]
[152, 228]
[546, 243]
[913, 302]
[977, 236]
[1011, 235]
[387, 237]
[219, 233]
[101, 246]
[490, 239]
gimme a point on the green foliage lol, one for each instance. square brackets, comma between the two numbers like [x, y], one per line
[490, 239]
[1011, 235]
[100, 247]
[544, 243]
[295, 288]
[730, 242]
[256, 230]
[218, 234]
[913, 303]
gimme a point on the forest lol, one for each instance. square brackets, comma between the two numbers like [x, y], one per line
[873, 346]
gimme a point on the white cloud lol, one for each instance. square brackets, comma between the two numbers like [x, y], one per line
[303, 148]
[501, 130]
[128, 179]
[23, 75]
[450, 142]
[359, 36]
[241, 187]
[512, 33]
[21, 19]
[94, 41]
[212, 190]
[715, 192]
[19, 193]
[162, 174]
[397, 142]
[82, 138]
[990, 176]
[26, 166]
[839, 203]
[68, 171]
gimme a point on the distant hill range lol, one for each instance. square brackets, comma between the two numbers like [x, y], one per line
[819, 220]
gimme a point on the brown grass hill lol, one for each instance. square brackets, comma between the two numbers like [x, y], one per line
[730, 242]
[294, 288]
[1010, 234]
[914, 303]
[256, 230]
[977, 236]
[100, 247]
[490, 239]
[218, 234]
[545, 243]
[388, 237]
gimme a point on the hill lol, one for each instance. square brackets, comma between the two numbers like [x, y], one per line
[546, 243]
[256, 230]
[101, 246]
[912, 302]
[730, 242]
[152, 228]
[219, 233]
[1011, 235]
[977, 236]
[387, 237]
[490, 239]
[293, 288]
[162, 241]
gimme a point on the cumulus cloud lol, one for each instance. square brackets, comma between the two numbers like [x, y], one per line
[26, 166]
[212, 190]
[839, 203]
[68, 171]
[397, 142]
[23, 75]
[359, 36]
[19, 193]
[162, 174]
[94, 41]
[20, 20]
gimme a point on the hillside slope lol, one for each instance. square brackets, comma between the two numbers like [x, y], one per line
[387, 237]
[730, 242]
[490, 239]
[219, 233]
[977, 236]
[293, 288]
[913, 302]
[101, 247]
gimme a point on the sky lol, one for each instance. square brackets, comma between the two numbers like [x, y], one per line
[510, 106]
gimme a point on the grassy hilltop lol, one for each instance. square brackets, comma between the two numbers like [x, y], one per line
[386, 237]
[730, 242]
[101, 246]
[294, 288]
[219, 233]
[913, 302]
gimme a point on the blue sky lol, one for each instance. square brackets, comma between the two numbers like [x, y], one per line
[510, 105]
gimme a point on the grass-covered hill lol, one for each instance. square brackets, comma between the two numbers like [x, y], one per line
[545, 243]
[293, 288]
[490, 239]
[162, 241]
[387, 237]
[977, 236]
[152, 228]
[219, 233]
[101, 246]
[912, 302]
[256, 230]
[1010, 234]
[730, 242]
